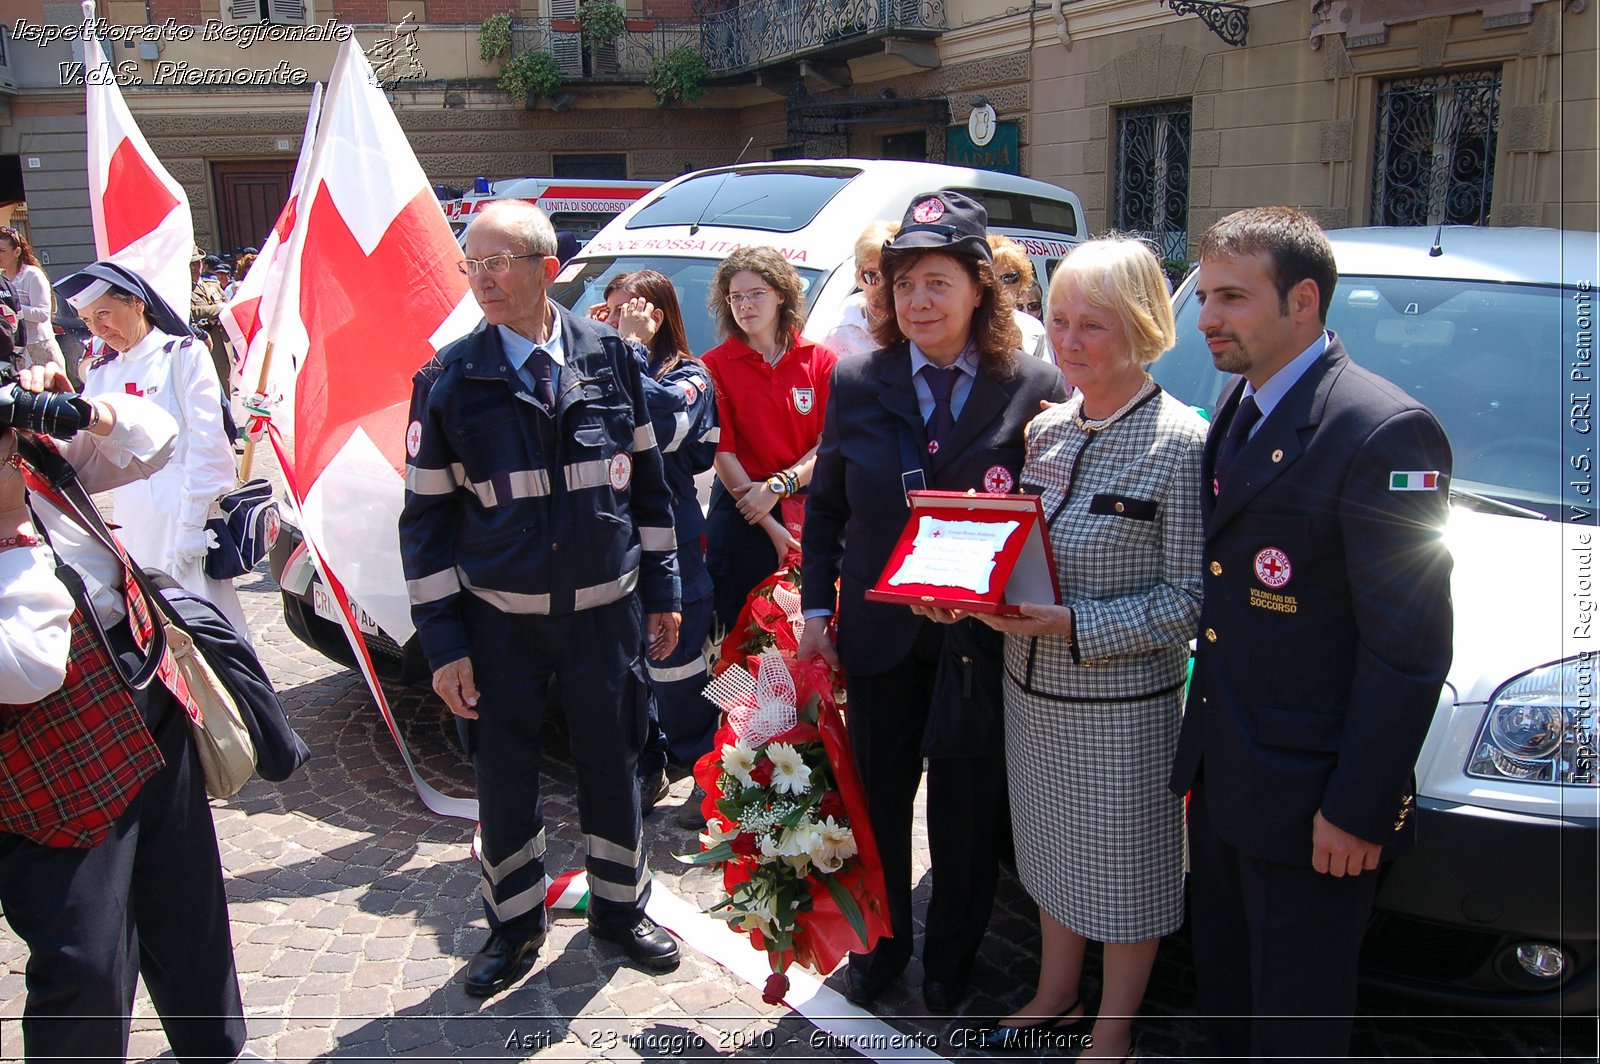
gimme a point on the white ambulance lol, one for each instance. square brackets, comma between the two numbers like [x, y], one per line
[580, 205]
[812, 211]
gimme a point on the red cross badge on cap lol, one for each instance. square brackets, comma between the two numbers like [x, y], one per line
[928, 211]
[997, 480]
[1272, 567]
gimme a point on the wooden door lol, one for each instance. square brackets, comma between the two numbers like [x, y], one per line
[249, 195]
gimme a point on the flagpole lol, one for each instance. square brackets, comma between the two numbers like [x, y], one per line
[290, 271]
[261, 388]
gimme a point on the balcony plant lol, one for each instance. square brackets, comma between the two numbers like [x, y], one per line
[494, 37]
[600, 22]
[531, 75]
[677, 75]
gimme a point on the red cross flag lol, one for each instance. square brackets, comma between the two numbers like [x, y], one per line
[382, 293]
[141, 215]
[265, 308]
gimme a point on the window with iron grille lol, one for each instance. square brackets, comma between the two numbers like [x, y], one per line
[1434, 155]
[1151, 195]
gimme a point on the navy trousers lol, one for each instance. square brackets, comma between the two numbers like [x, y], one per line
[1275, 948]
[594, 656]
[687, 718]
[966, 815]
[739, 555]
[147, 901]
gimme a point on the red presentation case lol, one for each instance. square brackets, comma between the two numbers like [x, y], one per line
[1024, 570]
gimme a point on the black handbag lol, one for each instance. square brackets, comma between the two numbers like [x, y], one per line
[245, 522]
[966, 717]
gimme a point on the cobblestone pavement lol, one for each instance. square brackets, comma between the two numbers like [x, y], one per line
[354, 910]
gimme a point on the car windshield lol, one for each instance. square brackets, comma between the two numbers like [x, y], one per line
[776, 200]
[583, 284]
[1486, 358]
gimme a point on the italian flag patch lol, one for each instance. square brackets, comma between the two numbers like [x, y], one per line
[1427, 480]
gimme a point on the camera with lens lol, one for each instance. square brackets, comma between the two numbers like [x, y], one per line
[58, 414]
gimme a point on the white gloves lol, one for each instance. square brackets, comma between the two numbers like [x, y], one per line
[193, 544]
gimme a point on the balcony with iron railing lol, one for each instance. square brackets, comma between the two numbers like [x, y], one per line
[739, 37]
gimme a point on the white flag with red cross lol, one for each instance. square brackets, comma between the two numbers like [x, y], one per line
[141, 215]
[381, 293]
[265, 309]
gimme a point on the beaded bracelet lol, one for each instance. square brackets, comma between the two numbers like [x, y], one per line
[21, 539]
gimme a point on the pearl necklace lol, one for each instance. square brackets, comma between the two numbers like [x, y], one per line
[1097, 424]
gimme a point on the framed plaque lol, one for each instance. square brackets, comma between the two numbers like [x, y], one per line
[966, 551]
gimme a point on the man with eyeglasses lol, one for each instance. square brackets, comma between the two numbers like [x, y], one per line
[537, 538]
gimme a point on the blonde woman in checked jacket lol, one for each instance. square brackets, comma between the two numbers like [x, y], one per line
[1094, 686]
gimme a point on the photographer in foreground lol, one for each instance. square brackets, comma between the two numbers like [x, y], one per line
[108, 859]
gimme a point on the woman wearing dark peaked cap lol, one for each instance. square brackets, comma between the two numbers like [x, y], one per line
[941, 405]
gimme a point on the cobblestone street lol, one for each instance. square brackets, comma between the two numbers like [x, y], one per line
[354, 910]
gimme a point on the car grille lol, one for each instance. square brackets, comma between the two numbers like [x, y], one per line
[1399, 945]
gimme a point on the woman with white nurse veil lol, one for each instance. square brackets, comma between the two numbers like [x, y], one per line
[144, 347]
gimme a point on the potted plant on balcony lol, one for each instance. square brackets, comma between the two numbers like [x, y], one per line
[600, 22]
[531, 75]
[494, 37]
[677, 75]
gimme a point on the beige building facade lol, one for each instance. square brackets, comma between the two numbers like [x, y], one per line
[1362, 112]
[1160, 114]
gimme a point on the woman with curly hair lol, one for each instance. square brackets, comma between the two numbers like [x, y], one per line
[772, 389]
[941, 405]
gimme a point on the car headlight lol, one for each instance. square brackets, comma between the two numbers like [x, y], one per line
[1541, 727]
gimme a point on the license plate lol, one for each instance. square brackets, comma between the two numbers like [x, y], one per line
[322, 601]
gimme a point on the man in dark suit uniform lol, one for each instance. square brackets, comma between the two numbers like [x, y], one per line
[1325, 638]
[943, 406]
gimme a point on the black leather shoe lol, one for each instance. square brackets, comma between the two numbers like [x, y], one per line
[645, 944]
[689, 815]
[502, 961]
[864, 982]
[1000, 1037]
[652, 788]
[943, 995]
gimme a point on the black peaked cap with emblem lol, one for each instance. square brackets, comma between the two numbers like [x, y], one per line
[944, 221]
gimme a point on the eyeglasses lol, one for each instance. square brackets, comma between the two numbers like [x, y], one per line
[752, 297]
[871, 277]
[494, 265]
[1011, 278]
[1033, 308]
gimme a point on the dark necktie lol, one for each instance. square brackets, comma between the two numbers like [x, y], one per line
[942, 383]
[542, 369]
[1244, 419]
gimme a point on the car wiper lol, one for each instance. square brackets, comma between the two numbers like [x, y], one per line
[1496, 504]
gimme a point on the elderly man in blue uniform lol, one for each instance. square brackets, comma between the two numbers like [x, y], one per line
[537, 528]
[1324, 642]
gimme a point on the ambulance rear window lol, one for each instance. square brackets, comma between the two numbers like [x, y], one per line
[1019, 210]
[777, 200]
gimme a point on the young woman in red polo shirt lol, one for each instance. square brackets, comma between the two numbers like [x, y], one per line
[772, 389]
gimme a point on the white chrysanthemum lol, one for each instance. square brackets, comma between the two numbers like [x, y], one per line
[831, 845]
[737, 761]
[789, 772]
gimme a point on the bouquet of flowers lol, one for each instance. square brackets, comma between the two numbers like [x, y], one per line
[786, 819]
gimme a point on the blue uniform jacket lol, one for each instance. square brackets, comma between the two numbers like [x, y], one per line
[683, 413]
[1325, 628]
[488, 512]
